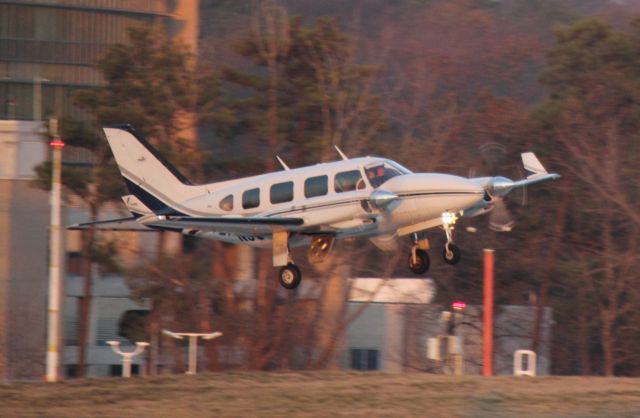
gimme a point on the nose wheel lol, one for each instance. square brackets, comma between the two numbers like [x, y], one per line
[451, 254]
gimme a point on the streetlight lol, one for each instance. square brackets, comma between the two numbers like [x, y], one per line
[126, 357]
[55, 283]
[37, 97]
[193, 344]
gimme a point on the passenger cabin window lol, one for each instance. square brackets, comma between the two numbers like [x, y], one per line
[227, 203]
[380, 172]
[348, 181]
[316, 186]
[282, 192]
[251, 198]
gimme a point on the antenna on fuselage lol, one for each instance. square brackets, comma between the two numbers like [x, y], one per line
[286, 167]
[344, 157]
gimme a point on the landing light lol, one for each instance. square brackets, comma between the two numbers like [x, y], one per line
[448, 218]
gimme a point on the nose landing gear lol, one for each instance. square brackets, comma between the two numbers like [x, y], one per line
[419, 261]
[451, 253]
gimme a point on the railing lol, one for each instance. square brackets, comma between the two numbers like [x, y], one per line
[139, 6]
[58, 52]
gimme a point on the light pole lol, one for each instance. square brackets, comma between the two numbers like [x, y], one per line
[193, 344]
[126, 357]
[37, 97]
[55, 283]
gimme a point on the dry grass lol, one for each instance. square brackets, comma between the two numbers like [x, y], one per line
[325, 395]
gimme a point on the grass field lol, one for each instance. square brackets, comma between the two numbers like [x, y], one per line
[324, 394]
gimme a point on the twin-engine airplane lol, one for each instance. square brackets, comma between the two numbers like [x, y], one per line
[313, 206]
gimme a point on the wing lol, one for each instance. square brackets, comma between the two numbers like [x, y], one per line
[233, 225]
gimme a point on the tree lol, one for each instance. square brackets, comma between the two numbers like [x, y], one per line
[95, 185]
[304, 88]
[594, 109]
[150, 84]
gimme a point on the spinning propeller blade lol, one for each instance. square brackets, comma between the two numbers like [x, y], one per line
[500, 218]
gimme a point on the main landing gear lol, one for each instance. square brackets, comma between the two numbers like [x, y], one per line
[419, 261]
[290, 276]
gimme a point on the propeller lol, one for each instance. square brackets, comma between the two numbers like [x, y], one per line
[492, 157]
[500, 219]
[498, 187]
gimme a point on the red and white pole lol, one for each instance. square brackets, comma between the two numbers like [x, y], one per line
[487, 328]
[55, 259]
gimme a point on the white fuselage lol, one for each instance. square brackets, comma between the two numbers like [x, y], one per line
[335, 198]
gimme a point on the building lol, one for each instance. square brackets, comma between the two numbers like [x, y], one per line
[395, 319]
[24, 220]
[48, 51]
[111, 305]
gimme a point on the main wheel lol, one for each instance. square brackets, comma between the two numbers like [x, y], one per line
[451, 254]
[421, 263]
[290, 276]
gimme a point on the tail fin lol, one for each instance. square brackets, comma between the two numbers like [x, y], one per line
[149, 177]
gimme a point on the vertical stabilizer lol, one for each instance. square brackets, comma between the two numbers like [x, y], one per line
[156, 183]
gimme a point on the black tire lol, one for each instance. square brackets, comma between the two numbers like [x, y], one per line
[421, 266]
[453, 255]
[290, 276]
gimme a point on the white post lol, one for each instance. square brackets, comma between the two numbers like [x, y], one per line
[126, 357]
[126, 366]
[193, 344]
[518, 363]
[193, 354]
[55, 282]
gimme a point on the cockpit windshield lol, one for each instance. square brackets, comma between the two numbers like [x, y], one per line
[381, 171]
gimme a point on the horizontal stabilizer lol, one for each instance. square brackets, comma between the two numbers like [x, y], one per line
[119, 224]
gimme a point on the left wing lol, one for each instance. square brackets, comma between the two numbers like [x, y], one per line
[233, 225]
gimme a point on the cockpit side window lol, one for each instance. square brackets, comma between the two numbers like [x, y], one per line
[227, 203]
[380, 172]
[348, 181]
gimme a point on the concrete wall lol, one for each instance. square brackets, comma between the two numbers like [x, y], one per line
[24, 220]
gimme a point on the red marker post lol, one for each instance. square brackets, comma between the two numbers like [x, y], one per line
[487, 328]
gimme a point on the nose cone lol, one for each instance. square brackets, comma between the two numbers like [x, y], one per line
[382, 198]
[500, 186]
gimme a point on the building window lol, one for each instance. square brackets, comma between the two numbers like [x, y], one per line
[251, 198]
[348, 181]
[227, 203]
[71, 370]
[282, 192]
[316, 186]
[364, 359]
